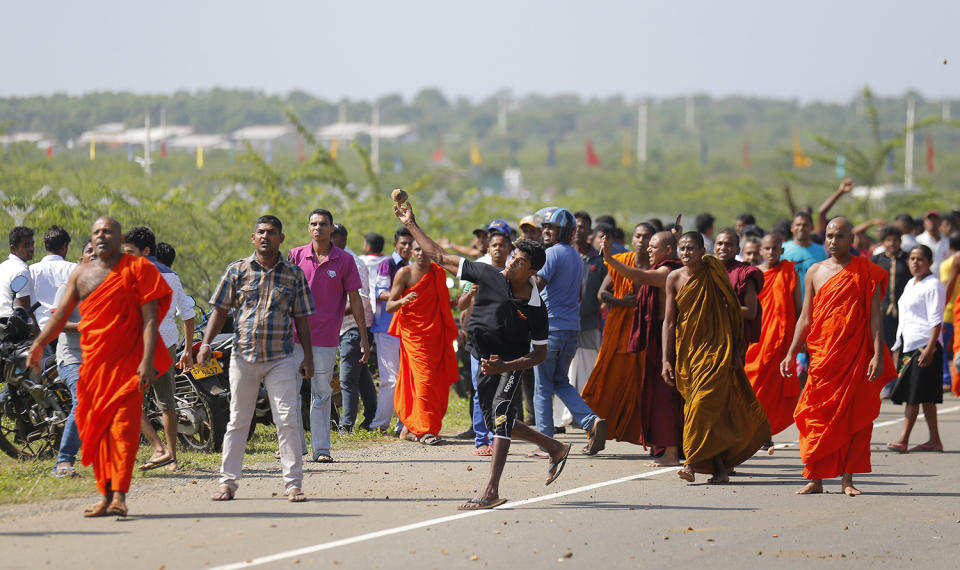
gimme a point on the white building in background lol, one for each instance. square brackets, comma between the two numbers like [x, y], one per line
[14, 138]
[346, 132]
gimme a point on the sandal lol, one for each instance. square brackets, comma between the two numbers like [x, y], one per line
[150, 465]
[480, 505]
[98, 510]
[117, 509]
[554, 469]
[927, 447]
[483, 451]
[430, 439]
[295, 495]
[67, 472]
[897, 447]
[225, 494]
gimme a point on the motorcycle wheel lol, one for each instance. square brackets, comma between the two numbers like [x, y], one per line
[24, 440]
[208, 424]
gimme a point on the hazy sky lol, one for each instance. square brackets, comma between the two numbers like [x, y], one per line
[811, 50]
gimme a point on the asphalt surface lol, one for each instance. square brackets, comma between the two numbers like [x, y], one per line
[394, 506]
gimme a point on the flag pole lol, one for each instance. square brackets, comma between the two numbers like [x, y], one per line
[375, 139]
[146, 144]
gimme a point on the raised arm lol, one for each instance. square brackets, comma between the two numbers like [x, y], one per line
[789, 197]
[655, 277]
[449, 262]
[845, 187]
[803, 325]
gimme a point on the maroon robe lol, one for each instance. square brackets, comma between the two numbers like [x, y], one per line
[661, 406]
[741, 274]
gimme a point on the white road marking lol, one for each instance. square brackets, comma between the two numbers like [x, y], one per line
[463, 515]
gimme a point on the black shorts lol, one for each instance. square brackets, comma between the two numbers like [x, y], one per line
[496, 393]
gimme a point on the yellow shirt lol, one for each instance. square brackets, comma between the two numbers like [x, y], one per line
[944, 278]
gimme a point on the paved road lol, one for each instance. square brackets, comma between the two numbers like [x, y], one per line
[393, 506]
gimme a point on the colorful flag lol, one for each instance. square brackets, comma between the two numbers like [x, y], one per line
[800, 160]
[746, 150]
[475, 153]
[890, 166]
[300, 154]
[93, 149]
[334, 149]
[841, 166]
[592, 159]
[627, 157]
[551, 155]
[50, 148]
[163, 148]
[438, 154]
[199, 158]
[704, 151]
[929, 154]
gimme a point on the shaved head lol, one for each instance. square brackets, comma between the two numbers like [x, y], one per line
[772, 240]
[110, 222]
[667, 238]
[841, 223]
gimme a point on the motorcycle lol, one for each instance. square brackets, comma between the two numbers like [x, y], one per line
[33, 407]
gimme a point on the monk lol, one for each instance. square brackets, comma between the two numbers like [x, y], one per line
[703, 349]
[780, 304]
[849, 363]
[613, 389]
[661, 409]
[746, 279]
[122, 299]
[428, 365]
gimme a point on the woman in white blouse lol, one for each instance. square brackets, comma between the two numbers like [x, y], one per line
[918, 350]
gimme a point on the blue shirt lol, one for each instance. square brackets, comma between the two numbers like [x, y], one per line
[563, 272]
[803, 258]
[386, 271]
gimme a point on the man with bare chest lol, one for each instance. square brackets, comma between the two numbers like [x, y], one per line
[428, 364]
[122, 299]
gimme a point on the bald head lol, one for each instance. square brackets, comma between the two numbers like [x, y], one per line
[662, 246]
[107, 238]
[841, 223]
[839, 238]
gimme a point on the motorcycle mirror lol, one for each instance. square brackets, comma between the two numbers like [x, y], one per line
[18, 283]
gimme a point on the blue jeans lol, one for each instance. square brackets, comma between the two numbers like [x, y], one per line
[324, 359]
[356, 384]
[481, 435]
[551, 379]
[948, 333]
[70, 441]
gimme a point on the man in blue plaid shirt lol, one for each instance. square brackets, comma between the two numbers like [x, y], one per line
[269, 295]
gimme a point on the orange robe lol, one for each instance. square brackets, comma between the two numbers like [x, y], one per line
[722, 416]
[428, 365]
[956, 344]
[613, 390]
[839, 403]
[109, 403]
[777, 394]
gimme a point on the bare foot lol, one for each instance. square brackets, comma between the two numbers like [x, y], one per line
[660, 462]
[719, 478]
[814, 487]
[172, 466]
[98, 510]
[847, 483]
[687, 474]
[118, 506]
[670, 458]
[408, 435]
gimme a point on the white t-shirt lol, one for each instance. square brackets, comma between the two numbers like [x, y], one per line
[348, 321]
[48, 275]
[180, 306]
[921, 309]
[372, 262]
[9, 270]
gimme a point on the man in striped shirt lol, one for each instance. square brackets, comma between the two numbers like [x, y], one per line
[269, 295]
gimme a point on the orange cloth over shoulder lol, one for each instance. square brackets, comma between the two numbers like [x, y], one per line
[956, 344]
[777, 394]
[839, 403]
[722, 416]
[613, 390]
[111, 339]
[428, 364]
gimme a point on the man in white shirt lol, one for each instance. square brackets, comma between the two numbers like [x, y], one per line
[372, 257]
[48, 274]
[142, 242]
[931, 237]
[21, 251]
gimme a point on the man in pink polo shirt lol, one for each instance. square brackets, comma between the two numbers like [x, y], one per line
[333, 278]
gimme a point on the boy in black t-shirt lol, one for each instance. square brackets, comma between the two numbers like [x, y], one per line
[508, 316]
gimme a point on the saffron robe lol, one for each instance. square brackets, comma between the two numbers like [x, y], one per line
[722, 416]
[109, 402]
[613, 389]
[839, 402]
[777, 395]
[661, 407]
[742, 274]
[428, 364]
[956, 344]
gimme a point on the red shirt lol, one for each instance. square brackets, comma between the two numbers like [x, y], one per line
[329, 283]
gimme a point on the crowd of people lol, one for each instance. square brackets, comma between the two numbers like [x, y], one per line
[697, 345]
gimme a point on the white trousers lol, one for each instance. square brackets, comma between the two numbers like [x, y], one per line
[584, 359]
[388, 359]
[279, 377]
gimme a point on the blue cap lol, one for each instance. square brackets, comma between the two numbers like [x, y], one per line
[499, 225]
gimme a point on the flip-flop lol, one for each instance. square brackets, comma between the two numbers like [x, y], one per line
[429, 439]
[483, 451]
[296, 496]
[475, 505]
[225, 494]
[150, 465]
[554, 469]
[323, 459]
[897, 447]
[598, 437]
[67, 472]
[98, 510]
[927, 447]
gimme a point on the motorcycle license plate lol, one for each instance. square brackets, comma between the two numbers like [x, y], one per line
[211, 369]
